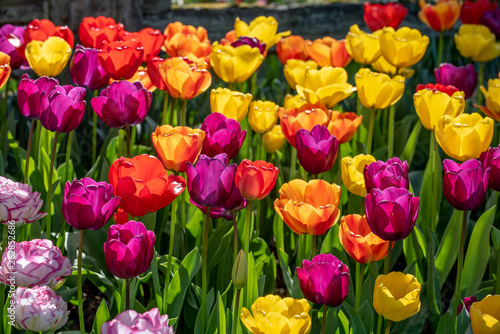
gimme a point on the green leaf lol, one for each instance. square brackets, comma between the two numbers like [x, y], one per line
[221, 315]
[101, 316]
[411, 143]
[448, 248]
[287, 275]
[218, 243]
[365, 312]
[356, 323]
[495, 237]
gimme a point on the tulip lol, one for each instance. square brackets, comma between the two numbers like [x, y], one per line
[255, 179]
[292, 47]
[309, 208]
[305, 117]
[378, 16]
[485, 315]
[316, 149]
[131, 322]
[88, 204]
[187, 41]
[41, 30]
[39, 309]
[235, 202]
[93, 31]
[465, 136]
[48, 58]
[262, 115]
[359, 241]
[352, 173]
[240, 271]
[431, 105]
[441, 16]
[151, 40]
[383, 66]
[378, 90]
[468, 301]
[33, 95]
[396, 296]
[324, 280]
[8, 33]
[5, 68]
[122, 104]
[449, 90]
[477, 42]
[472, 11]
[462, 77]
[129, 249]
[489, 159]
[263, 28]
[328, 85]
[364, 48]
[121, 59]
[66, 109]
[222, 135]
[344, 125]
[492, 97]
[295, 71]
[176, 146]
[85, 69]
[329, 52]
[272, 314]
[293, 102]
[403, 47]
[252, 42]
[492, 21]
[231, 104]
[465, 185]
[34, 262]
[234, 65]
[391, 213]
[143, 184]
[273, 140]
[142, 76]
[382, 175]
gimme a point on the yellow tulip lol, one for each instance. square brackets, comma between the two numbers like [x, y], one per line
[230, 103]
[48, 58]
[327, 85]
[364, 48]
[262, 116]
[378, 90]
[465, 136]
[352, 173]
[295, 71]
[293, 101]
[383, 66]
[485, 315]
[235, 64]
[403, 47]
[273, 140]
[477, 42]
[5, 68]
[274, 315]
[492, 96]
[432, 105]
[263, 28]
[396, 296]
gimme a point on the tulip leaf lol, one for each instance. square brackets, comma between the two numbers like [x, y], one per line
[343, 322]
[112, 150]
[411, 143]
[221, 314]
[476, 258]
[218, 243]
[448, 250]
[365, 312]
[19, 155]
[287, 275]
[261, 253]
[356, 323]
[101, 316]
[495, 237]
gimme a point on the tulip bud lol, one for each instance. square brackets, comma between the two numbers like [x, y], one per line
[240, 271]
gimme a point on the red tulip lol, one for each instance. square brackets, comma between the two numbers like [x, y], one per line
[378, 16]
[121, 59]
[472, 11]
[151, 41]
[94, 31]
[255, 180]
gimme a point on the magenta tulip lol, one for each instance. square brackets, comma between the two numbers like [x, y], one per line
[491, 159]
[392, 173]
[33, 95]
[316, 149]
[222, 135]
[468, 301]
[492, 21]
[85, 69]
[462, 77]
[10, 33]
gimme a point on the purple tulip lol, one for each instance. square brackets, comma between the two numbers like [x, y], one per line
[491, 159]
[462, 77]
[222, 135]
[324, 280]
[34, 262]
[7, 32]
[251, 41]
[316, 149]
[492, 21]
[468, 301]
[131, 322]
[129, 249]
[465, 185]
[18, 202]
[85, 69]
[391, 213]
[66, 109]
[39, 309]
[88, 204]
[392, 173]
[122, 103]
[33, 95]
[210, 181]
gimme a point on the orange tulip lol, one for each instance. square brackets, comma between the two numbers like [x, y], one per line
[121, 59]
[187, 41]
[359, 241]
[229, 38]
[176, 146]
[255, 180]
[175, 75]
[142, 76]
[151, 41]
[309, 208]
[441, 16]
[329, 52]
[5, 68]
[344, 125]
[292, 47]
[305, 117]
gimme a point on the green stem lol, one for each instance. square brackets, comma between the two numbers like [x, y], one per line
[165, 108]
[370, 131]
[248, 221]
[236, 311]
[314, 241]
[380, 321]
[173, 216]
[204, 272]
[183, 112]
[434, 152]
[127, 293]
[172, 111]
[235, 236]
[458, 286]
[440, 48]
[387, 263]
[390, 145]
[480, 83]
[68, 154]
[94, 132]
[128, 140]
[360, 272]
[48, 205]
[323, 322]
[293, 164]
[253, 88]
[79, 282]
[28, 151]
[388, 327]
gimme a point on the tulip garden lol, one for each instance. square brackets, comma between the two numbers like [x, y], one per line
[160, 182]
